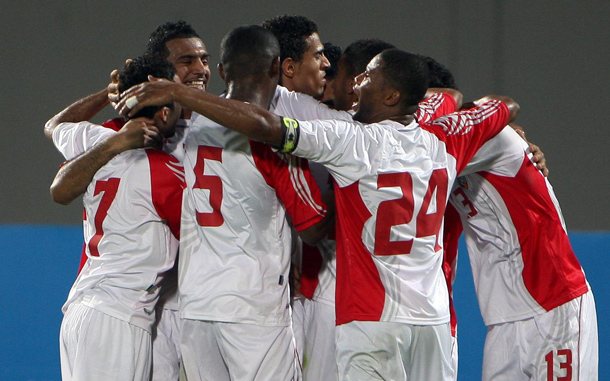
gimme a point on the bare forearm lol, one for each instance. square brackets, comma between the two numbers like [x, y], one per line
[83, 109]
[250, 120]
[74, 177]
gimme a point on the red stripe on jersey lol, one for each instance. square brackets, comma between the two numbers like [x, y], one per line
[299, 193]
[479, 124]
[358, 282]
[440, 104]
[167, 184]
[115, 124]
[310, 268]
[551, 273]
[451, 236]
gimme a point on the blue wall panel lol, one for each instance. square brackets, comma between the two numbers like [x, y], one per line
[41, 263]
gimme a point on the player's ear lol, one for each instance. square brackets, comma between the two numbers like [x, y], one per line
[221, 71]
[289, 67]
[164, 113]
[392, 97]
[274, 70]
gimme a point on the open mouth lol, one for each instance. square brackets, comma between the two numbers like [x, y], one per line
[196, 84]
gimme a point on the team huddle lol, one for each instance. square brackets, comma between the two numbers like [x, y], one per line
[304, 224]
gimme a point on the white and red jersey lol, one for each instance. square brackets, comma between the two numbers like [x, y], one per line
[236, 239]
[392, 185]
[318, 277]
[522, 261]
[132, 221]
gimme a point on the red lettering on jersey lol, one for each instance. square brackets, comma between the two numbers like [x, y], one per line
[211, 182]
[109, 188]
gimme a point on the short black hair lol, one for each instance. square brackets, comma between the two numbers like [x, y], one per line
[332, 53]
[167, 32]
[248, 50]
[359, 53]
[138, 70]
[407, 73]
[440, 76]
[291, 31]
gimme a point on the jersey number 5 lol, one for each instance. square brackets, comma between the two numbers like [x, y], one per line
[109, 187]
[400, 211]
[211, 183]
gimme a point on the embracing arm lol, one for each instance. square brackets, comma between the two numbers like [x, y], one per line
[74, 176]
[83, 109]
[538, 155]
[250, 120]
[457, 95]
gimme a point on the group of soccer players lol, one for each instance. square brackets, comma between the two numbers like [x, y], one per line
[195, 206]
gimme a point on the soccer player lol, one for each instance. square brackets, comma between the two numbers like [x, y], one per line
[392, 302]
[536, 303]
[332, 53]
[180, 44]
[302, 60]
[131, 235]
[235, 246]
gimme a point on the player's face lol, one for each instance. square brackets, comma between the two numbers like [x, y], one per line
[369, 89]
[310, 71]
[191, 60]
[167, 127]
[343, 92]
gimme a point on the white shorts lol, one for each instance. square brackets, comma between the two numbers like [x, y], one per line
[560, 343]
[229, 351]
[454, 356]
[166, 346]
[393, 351]
[95, 347]
[319, 356]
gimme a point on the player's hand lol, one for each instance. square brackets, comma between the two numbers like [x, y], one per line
[113, 87]
[138, 133]
[156, 92]
[538, 156]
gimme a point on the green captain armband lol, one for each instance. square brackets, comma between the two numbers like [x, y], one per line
[291, 135]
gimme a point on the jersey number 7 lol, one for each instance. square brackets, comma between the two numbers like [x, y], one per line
[109, 187]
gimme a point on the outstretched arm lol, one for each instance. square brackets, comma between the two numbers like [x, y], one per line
[83, 109]
[253, 121]
[74, 176]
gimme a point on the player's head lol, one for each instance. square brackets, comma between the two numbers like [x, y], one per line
[136, 72]
[332, 53]
[440, 76]
[302, 56]
[393, 83]
[353, 61]
[249, 52]
[179, 43]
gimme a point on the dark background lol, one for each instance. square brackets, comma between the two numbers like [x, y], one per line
[550, 56]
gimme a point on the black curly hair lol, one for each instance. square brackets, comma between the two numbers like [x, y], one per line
[332, 53]
[440, 76]
[167, 32]
[359, 53]
[407, 73]
[138, 70]
[291, 31]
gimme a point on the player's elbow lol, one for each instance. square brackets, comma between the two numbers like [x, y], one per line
[58, 195]
[49, 126]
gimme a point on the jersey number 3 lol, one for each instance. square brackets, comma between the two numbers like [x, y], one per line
[400, 211]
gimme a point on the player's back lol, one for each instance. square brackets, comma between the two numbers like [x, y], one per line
[128, 239]
[521, 257]
[236, 240]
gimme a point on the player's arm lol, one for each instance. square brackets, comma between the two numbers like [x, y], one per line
[74, 176]
[253, 121]
[513, 107]
[455, 94]
[538, 155]
[83, 109]
[317, 232]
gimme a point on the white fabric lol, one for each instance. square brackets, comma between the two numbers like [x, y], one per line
[319, 355]
[97, 347]
[393, 351]
[562, 341]
[238, 271]
[166, 357]
[227, 351]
